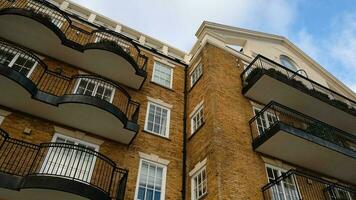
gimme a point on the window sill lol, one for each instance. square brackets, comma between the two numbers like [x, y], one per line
[162, 86]
[154, 134]
[195, 132]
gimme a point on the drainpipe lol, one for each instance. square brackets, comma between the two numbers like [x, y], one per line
[184, 170]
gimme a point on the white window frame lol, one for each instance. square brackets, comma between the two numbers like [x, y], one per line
[196, 111]
[280, 171]
[164, 176]
[154, 71]
[265, 117]
[149, 103]
[76, 141]
[193, 185]
[197, 69]
[14, 59]
[97, 84]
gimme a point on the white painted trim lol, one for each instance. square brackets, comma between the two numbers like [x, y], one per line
[164, 177]
[168, 119]
[153, 158]
[198, 166]
[4, 113]
[1, 119]
[196, 108]
[163, 61]
[78, 135]
[160, 102]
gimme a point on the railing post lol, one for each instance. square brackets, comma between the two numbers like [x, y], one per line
[111, 180]
[34, 159]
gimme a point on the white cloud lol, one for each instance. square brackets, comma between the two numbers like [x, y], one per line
[176, 21]
[343, 43]
[308, 44]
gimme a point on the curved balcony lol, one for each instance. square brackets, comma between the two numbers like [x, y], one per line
[265, 80]
[298, 185]
[57, 171]
[86, 102]
[286, 134]
[58, 34]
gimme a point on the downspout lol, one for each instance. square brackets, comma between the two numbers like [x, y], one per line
[184, 170]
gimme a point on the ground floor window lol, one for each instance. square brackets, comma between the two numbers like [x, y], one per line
[285, 189]
[70, 157]
[151, 181]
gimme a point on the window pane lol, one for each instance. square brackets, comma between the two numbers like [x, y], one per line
[150, 187]
[157, 119]
[162, 74]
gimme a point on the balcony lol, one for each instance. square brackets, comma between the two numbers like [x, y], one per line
[86, 102]
[265, 80]
[57, 171]
[61, 35]
[288, 135]
[295, 185]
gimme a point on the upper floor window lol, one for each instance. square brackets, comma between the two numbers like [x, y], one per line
[288, 63]
[265, 120]
[196, 74]
[199, 184]
[197, 118]
[95, 88]
[287, 189]
[162, 74]
[151, 181]
[157, 119]
[19, 62]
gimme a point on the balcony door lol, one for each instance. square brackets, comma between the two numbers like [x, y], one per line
[264, 121]
[19, 62]
[70, 158]
[95, 88]
[285, 189]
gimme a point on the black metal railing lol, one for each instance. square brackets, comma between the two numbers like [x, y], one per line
[295, 185]
[63, 160]
[275, 113]
[72, 28]
[262, 65]
[54, 83]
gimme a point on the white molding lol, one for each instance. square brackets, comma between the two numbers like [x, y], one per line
[142, 40]
[1, 119]
[153, 158]
[160, 102]
[78, 135]
[277, 163]
[196, 108]
[64, 5]
[164, 61]
[197, 167]
[91, 17]
[4, 113]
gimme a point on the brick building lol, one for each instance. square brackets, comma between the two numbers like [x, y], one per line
[92, 109]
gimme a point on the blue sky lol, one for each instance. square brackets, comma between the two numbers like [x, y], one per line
[324, 29]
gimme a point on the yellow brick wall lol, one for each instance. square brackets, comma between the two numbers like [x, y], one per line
[126, 157]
